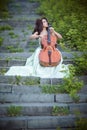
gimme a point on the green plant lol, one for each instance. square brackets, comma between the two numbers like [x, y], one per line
[32, 43]
[4, 8]
[72, 84]
[52, 89]
[5, 14]
[74, 95]
[7, 60]
[58, 110]
[5, 27]
[81, 124]
[69, 21]
[77, 112]
[31, 82]
[80, 64]
[17, 80]
[58, 128]
[1, 41]
[32, 50]
[14, 110]
[13, 35]
[29, 27]
[13, 49]
[2, 71]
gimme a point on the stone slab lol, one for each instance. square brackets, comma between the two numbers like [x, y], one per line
[78, 107]
[26, 55]
[23, 89]
[5, 88]
[22, 55]
[51, 81]
[19, 89]
[31, 109]
[21, 62]
[10, 98]
[37, 122]
[13, 79]
[13, 123]
[51, 122]
[10, 62]
[83, 90]
[65, 98]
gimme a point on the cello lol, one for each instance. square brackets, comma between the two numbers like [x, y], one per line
[49, 55]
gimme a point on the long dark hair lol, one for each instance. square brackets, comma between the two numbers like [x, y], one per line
[39, 25]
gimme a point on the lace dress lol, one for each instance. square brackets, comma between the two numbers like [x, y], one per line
[33, 68]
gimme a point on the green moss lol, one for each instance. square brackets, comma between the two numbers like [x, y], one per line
[80, 64]
[81, 124]
[13, 49]
[14, 110]
[13, 35]
[6, 27]
[2, 71]
[1, 41]
[4, 8]
[31, 82]
[58, 110]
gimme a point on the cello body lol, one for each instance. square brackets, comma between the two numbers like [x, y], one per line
[49, 55]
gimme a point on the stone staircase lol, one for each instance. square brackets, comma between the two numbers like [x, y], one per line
[35, 106]
[23, 105]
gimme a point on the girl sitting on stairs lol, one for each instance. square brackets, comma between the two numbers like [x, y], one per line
[33, 66]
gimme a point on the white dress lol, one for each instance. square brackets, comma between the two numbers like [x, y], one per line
[33, 68]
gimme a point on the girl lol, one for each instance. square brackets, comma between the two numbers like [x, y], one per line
[32, 66]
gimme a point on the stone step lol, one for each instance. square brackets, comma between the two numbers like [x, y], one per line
[43, 109]
[19, 79]
[28, 80]
[24, 55]
[28, 88]
[41, 97]
[38, 122]
[17, 55]
[20, 89]
[16, 62]
[18, 23]
[11, 62]
[32, 109]
[34, 80]
[55, 81]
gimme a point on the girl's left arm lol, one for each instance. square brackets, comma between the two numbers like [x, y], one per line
[59, 36]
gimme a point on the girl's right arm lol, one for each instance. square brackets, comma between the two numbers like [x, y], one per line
[34, 36]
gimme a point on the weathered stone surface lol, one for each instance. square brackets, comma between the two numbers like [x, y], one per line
[37, 122]
[67, 99]
[13, 122]
[15, 79]
[63, 98]
[23, 89]
[19, 89]
[50, 81]
[51, 122]
[78, 108]
[31, 109]
[25, 55]
[5, 88]
[83, 90]
[26, 97]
